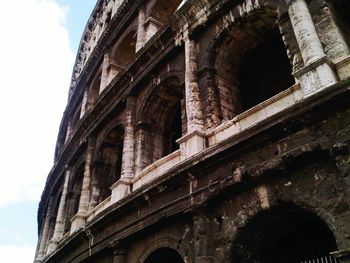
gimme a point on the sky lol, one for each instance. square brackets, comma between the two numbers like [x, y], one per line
[39, 41]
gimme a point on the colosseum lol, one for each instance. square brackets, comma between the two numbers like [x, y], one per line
[204, 131]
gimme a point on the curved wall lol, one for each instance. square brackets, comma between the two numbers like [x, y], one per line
[186, 118]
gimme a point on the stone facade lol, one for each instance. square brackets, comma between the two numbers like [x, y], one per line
[204, 131]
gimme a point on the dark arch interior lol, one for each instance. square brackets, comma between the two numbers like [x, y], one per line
[163, 112]
[265, 71]
[108, 166]
[174, 131]
[73, 196]
[164, 255]
[283, 234]
[341, 10]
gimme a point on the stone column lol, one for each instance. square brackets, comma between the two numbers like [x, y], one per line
[104, 74]
[122, 188]
[317, 72]
[61, 216]
[194, 141]
[79, 219]
[142, 158]
[141, 32]
[44, 239]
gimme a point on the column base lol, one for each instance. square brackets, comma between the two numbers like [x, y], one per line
[316, 76]
[120, 189]
[192, 143]
[77, 222]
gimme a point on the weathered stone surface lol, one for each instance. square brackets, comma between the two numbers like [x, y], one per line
[201, 132]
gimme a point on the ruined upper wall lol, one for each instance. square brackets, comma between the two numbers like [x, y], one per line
[100, 17]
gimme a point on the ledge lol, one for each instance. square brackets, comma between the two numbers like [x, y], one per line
[156, 169]
[256, 114]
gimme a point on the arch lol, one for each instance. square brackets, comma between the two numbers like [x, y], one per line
[283, 233]
[250, 60]
[167, 247]
[161, 116]
[94, 89]
[107, 165]
[122, 52]
[163, 255]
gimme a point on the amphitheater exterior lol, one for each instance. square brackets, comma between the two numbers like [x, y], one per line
[204, 131]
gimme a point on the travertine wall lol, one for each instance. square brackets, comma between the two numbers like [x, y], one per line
[157, 104]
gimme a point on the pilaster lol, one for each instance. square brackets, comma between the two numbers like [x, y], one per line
[194, 141]
[122, 187]
[79, 219]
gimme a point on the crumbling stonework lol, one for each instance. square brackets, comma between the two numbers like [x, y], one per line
[204, 131]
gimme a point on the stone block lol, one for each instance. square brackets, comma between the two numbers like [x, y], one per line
[77, 222]
[191, 144]
[120, 189]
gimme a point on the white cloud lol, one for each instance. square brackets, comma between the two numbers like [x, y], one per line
[12, 254]
[35, 69]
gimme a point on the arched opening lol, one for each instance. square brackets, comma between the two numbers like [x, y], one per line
[285, 234]
[163, 113]
[122, 52]
[73, 196]
[164, 255]
[94, 90]
[108, 164]
[264, 71]
[251, 63]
